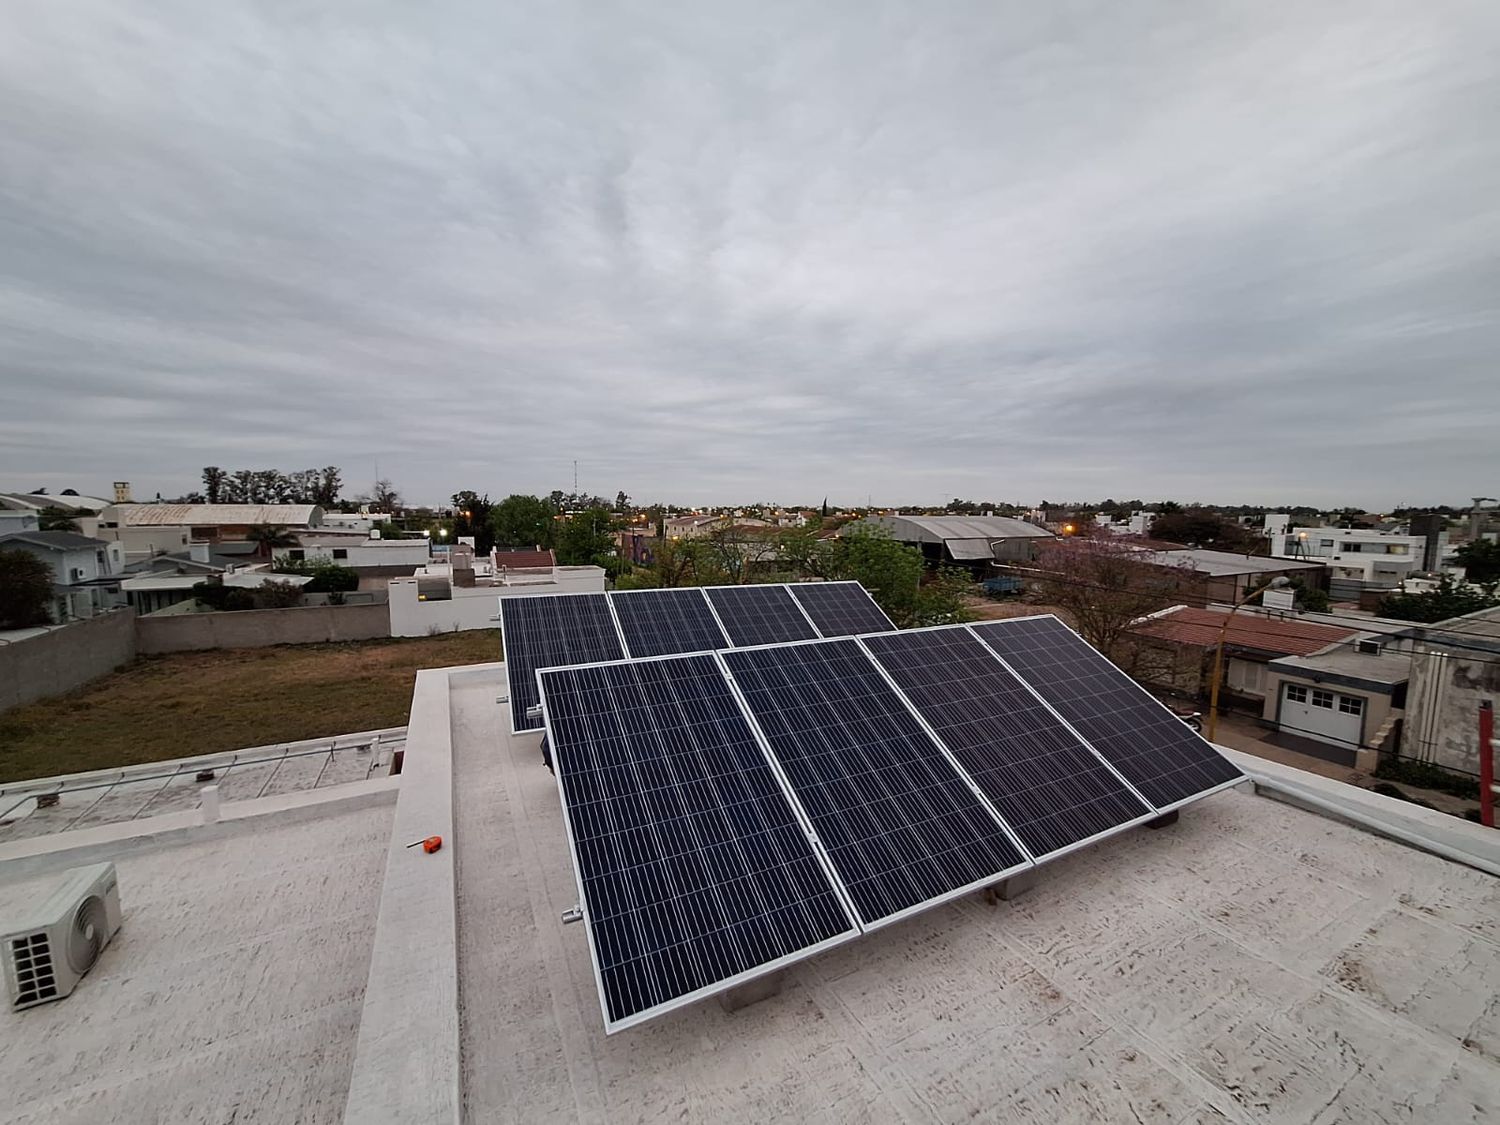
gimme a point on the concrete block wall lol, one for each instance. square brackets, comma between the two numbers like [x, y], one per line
[258, 628]
[65, 658]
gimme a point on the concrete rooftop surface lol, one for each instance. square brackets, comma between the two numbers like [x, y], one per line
[233, 990]
[1254, 962]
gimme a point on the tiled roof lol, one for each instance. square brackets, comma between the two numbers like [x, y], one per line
[518, 559]
[1201, 627]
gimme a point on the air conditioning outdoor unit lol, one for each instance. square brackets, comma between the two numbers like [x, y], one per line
[64, 933]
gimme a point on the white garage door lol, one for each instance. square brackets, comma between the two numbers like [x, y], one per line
[1328, 716]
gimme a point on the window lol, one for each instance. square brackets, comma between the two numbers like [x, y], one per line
[1398, 549]
[296, 555]
[341, 552]
[1351, 705]
[1325, 542]
[1322, 699]
[1296, 693]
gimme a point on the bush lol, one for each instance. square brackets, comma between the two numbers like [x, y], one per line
[1385, 789]
[1425, 775]
[217, 596]
[278, 595]
[638, 579]
[327, 577]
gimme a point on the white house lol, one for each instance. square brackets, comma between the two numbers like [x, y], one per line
[356, 551]
[1357, 559]
[85, 572]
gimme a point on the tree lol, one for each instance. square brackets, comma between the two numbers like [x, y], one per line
[1198, 527]
[1480, 560]
[278, 595]
[472, 515]
[1104, 585]
[889, 570]
[942, 600]
[584, 538]
[385, 497]
[736, 550]
[521, 522]
[213, 484]
[326, 493]
[327, 577]
[55, 519]
[268, 536]
[25, 589]
[622, 502]
[1450, 599]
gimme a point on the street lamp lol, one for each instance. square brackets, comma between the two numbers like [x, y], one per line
[1213, 692]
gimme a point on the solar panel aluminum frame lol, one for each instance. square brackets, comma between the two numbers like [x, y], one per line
[855, 930]
[1161, 810]
[963, 774]
[509, 700]
[1057, 853]
[611, 595]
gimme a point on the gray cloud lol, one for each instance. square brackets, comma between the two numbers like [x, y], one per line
[714, 252]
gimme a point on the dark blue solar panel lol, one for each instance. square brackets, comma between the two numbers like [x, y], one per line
[841, 609]
[693, 866]
[900, 825]
[662, 622]
[549, 631]
[1050, 787]
[1149, 745]
[759, 615]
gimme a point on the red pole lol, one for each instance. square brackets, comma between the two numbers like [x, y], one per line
[1487, 763]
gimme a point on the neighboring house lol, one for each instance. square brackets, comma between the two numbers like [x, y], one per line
[1357, 559]
[36, 501]
[85, 571]
[1224, 576]
[138, 542]
[1176, 649]
[974, 542]
[1342, 700]
[693, 527]
[13, 520]
[358, 552]
[1455, 665]
[213, 522]
[434, 601]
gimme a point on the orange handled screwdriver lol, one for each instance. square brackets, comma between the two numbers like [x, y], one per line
[429, 845]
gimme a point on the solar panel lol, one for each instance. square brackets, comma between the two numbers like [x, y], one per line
[695, 871]
[548, 631]
[840, 609]
[1150, 746]
[759, 615]
[661, 622]
[1049, 786]
[900, 825]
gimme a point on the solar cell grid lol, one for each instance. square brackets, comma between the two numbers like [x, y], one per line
[694, 868]
[759, 615]
[900, 825]
[661, 622]
[840, 609]
[547, 632]
[1149, 745]
[1048, 785]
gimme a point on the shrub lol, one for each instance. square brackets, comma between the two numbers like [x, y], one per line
[1425, 775]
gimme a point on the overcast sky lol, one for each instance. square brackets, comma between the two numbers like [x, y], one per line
[716, 252]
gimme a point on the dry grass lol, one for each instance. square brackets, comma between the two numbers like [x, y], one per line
[204, 702]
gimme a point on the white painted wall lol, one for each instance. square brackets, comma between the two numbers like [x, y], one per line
[475, 607]
[363, 552]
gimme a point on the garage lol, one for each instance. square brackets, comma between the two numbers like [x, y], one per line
[1323, 714]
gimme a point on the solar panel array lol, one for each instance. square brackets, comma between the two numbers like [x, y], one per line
[547, 631]
[732, 812]
[901, 825]
[1150, 746]
[662, 622]
[693, 864]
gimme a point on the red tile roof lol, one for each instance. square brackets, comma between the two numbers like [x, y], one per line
[1200, 627]
[515, 560]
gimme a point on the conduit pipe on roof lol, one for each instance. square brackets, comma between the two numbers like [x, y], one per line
[1297, 795]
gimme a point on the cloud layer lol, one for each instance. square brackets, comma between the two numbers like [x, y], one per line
[734, 252]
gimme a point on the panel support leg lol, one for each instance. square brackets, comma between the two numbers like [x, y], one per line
[752, 992]
[1165, 820]
[1015, 886]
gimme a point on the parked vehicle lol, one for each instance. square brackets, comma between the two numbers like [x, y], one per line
[1002, 586]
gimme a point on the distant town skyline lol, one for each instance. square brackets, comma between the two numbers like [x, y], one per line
[712, 251]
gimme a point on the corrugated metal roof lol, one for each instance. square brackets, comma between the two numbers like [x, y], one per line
[1200, 627]
[1218, 563]
[940, 529]
[173, 515]
[970, 548]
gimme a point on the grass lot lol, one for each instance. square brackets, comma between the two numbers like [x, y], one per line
[204, 702]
